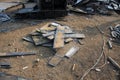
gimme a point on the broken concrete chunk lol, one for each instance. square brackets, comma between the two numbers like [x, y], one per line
[59, 38]
[72, 51]
[55, 60]
[76, 35]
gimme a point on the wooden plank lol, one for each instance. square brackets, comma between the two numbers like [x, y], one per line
[55, 60]
[8, 6]
[28, 39]
[49, 34]
[50, 37]
[39, 40]
[59, 38]
[59, 56]
[48, 27]
[62, 51]
[68, 40]
[72, 51]
[12, 54]
[76, 35]
[14, 8]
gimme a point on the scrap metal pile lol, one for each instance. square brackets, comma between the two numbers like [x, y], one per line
[61, 38]
[115, 33]
[95, 6]
[42, 9]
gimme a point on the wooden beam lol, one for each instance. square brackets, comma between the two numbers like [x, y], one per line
[59, 38]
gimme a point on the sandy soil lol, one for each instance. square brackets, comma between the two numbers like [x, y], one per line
[11, 41]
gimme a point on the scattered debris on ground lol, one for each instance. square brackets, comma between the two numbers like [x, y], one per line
[4, 17]
[8, 7]
[4, 76]
[114, 63]
[95, 6]
[5, 65]
[60, 37]
[14, 54]
[41, 9]
[115, 35]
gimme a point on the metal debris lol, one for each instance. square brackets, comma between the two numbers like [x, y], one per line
[13, 54]
[4, 76]
[114, 63]
[96, 6]
[110, 44]
[5, 65]
[4, 17]
[115, 33]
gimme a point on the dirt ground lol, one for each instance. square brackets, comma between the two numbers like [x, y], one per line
[11, 34]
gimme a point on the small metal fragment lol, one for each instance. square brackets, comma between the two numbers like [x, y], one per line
[110, 44]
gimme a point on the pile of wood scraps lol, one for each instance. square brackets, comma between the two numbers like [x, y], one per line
[60, 37]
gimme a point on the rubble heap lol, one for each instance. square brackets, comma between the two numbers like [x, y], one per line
[60, 37]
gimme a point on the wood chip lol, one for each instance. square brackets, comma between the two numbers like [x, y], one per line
[73, 68]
